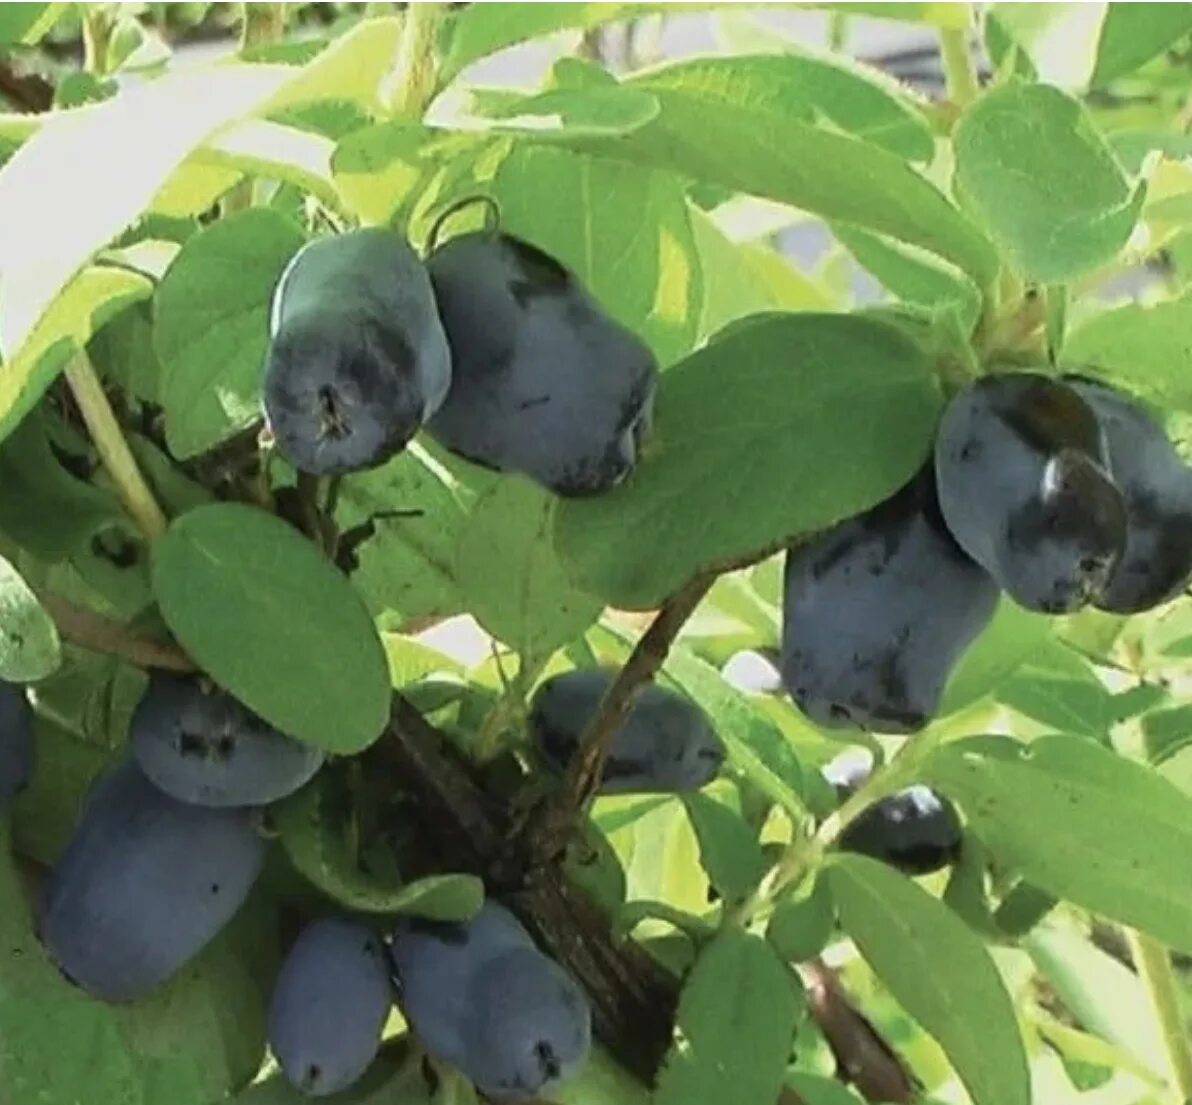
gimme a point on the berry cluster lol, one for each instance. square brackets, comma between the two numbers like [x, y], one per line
[493, 345]
[1059, 492]
[168, 848]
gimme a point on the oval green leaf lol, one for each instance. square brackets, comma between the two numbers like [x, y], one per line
[940, 972]
[272, 621]
[29, 645]
[789, 422]
[1043, 179]
[212, 326]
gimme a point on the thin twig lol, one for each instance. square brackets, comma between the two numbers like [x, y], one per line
[413, 82]
[1153, 963]
[84, 627]
[863, 1057]
[113, 450]
[550, 830]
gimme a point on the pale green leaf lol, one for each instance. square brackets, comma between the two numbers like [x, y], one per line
[1042, 178]
[29, 645]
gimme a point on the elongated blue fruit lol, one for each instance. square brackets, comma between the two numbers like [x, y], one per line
[143, 885]
[329, 1005]
[482, 997]
[665, 744]
[1157, 485]
[358, 360]
[16, 742]
[915, 830]
[877, 612]
[544, 382]
[203, 746]
[1024, 486]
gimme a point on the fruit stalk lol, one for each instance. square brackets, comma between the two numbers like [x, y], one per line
[414, 79]
[548, 833]
[1153, 964]
[959, 74]
[113, 450]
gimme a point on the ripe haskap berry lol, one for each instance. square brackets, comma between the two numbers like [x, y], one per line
[1022, 471]
[544, 382]
[203, 746]
[482, 997]
[915, 830]
[357, 360]
[144, 883]
[1157, 486]
[329, 1005]
[876, 613]
[665, 744]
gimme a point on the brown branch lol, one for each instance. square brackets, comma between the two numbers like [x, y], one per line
[84, 627]
[633, 998]
[862, 1056]
[26, 92]
[549, 831]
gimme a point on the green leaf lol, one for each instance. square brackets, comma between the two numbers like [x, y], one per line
[415, 508]
[740, 137]
[939, 971]
[44, 509]
[1034, 167]
[1010, 638]
[212, 331]
[26, 24]
[809, 87]
[623, 229]
[1132, 34]
[484, 29]
[510, 576]
[825, 415]
[757, 748]
[943, 13]
[84, 305]
[802, 922]
[593, 112]
[743, 278]
[1147, 349]
[1101, 992]
[1082, 822]
[60, 1047]
[1055, 43]
[913, 275]
[736, 1019]
[29, 645]
[271, 621]
[729, 851]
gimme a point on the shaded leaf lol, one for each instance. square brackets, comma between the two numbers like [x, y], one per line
[29, 645]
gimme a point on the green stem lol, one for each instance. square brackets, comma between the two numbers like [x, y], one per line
[261, 23]
[413, 82]
[1153, 963]
[959, 73]
[113, 450]
[98, 24]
